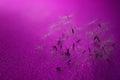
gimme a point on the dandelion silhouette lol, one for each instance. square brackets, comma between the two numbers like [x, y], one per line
[91, 42]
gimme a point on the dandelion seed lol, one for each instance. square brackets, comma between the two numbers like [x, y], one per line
[97, 38]
[54, 47]
[73, 31]
[67, 53]
[58, 69]
[108, 60]
[69, 61]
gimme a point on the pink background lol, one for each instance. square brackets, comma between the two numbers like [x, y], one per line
[24, 22]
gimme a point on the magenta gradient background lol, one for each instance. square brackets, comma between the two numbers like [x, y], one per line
[24, 22]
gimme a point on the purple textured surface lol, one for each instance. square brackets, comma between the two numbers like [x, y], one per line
[30, 30]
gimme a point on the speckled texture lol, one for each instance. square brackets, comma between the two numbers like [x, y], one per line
[59, 40]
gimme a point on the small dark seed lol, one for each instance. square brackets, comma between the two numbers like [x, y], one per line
[99, 25]
[72, 30]
[83, 51]
[97, 38]
[54, 47]
[58, 68]
[67, 53]
[89, 50]
[108, 60]
[69, 61]
[78, 40]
